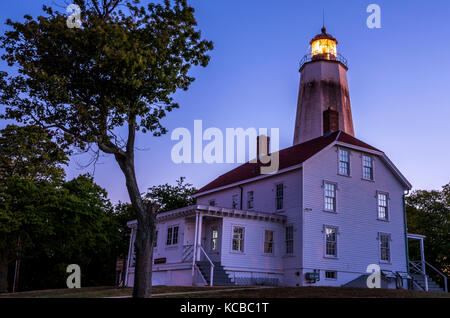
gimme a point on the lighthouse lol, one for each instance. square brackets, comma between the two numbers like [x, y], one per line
[323, 98]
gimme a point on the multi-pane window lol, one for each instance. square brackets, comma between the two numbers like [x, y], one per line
[279, 196]
[344, 162]
[330, 196]
[385, 248]
[212, 202]
[235, 203]
[250, 200]
[155, 239]
[289, 239]
[382, 206]
[330, 274]
[268, 242]
[214, 239]
[238, 239]
[330, 241]
[367, 167]
[172, 235]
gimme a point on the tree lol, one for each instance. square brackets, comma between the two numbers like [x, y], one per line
[120, 69]
[428, 213]
[30, 171]
[169, 197]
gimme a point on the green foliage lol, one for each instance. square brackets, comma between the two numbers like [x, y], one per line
[428, 213]
[169, 197]
[30, 172]
[122, 66]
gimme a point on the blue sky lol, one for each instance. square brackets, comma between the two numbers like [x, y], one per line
[398, 80]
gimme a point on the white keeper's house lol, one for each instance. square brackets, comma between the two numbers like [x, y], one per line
[334, 207]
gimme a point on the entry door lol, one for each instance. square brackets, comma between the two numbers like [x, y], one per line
[213, 242]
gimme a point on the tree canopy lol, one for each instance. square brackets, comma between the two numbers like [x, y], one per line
[428, 213]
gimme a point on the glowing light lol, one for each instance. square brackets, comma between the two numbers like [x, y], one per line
[325, 48]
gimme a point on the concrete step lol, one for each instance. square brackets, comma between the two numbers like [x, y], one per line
[221, 278]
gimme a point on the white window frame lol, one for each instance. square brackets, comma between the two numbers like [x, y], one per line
[387, 211]
[363, 166]
[252, 200]
[290, 240]
[282, 196]
[235, 204]
[214, 240]
[212, 202]
[170, 243]
[269, 242]
[324, 185]
[349, 174]
[336, 229]
[243, 239]
[380, 234]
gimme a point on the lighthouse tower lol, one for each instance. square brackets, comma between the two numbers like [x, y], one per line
[323, 99]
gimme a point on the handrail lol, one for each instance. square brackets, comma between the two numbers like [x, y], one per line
[212, 266]
[418, 267]
[440, 273]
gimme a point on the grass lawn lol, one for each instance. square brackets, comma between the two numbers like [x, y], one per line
[221, 292]
[99, 292]
[316, 292]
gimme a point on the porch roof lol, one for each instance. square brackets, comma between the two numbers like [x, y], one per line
[217, 211]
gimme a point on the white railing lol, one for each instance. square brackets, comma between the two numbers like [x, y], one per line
[419, 267]
[188, 253]
[211, 278]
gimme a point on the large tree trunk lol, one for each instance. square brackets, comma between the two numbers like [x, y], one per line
[3, 271]
[145, 230]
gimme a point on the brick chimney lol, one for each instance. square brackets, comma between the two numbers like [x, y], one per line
[330, 120]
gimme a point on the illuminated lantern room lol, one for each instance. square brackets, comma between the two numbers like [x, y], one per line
[323, 46]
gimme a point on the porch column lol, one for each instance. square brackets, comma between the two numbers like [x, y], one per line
[130, 255]
[194, 252]
[199, 235]
[422, 257]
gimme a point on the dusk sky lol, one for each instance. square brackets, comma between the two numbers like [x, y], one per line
[398, 78]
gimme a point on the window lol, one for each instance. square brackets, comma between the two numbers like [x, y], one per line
[235, 203]
[279, 197]
[214, 238]
[330, 196]
[331, 275]
[344, 162]
[330, 241]
[250, 200]
[155, 240]
[382, 206]
[212, 202]
[238, 239]
[172, 235]
[367, 167]
[289, 239]
[268, 242]
[385, 248]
